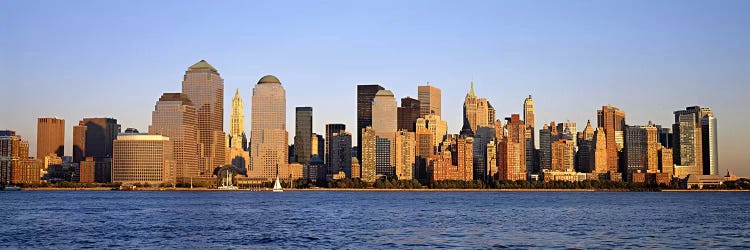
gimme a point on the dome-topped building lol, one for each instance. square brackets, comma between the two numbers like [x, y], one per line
[269, 79]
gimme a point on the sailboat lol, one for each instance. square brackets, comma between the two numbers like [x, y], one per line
[277, 184]
[227, 182]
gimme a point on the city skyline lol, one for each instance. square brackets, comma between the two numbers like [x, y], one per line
[502, 77]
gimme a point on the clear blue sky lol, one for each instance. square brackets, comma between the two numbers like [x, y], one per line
[75, 59]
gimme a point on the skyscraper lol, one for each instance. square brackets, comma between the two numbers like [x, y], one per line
[424, 149]
[612, 120]
[368, 163]
[50, 137]
[528, 118]
[599, 159]
[269, 136]
[688, 138]
[384, 114]
[404, 154]
[476, 113]
[237, 137]
[585, 149]
[563, 155]
[143, 158]
[365, 96]
[436, 126]
[176, 118]
[341, 153]
[330, 130]
[204, 87]
[512, 153]
[429, 100]
[408, 114]
[710, 144]
[545, 147]
[100, 133]
[13, 149]
[79, 143]
[303, 134]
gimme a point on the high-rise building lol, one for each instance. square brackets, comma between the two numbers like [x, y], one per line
[86, 169]
[512, 151]
[545, 147]
[710, 144]
[79, 143]
[563, 155]
[384, 156]
[330, 130]
[688, 138]
[585, 149]
[268, 135]
[99, 136]
[436, 126]
[666, 162]
[612, 120]
[407, 114]
[405, 154]
[482, 137]
[176, 118]
[356, 168]
[143, 158]
[303, 134]
[50, 137]
[204, 87]
[429, 100]
[530, 137]
[237, 136]
[600, 161]
[365, 96]
[317, 150]
[384, 114]
[341, 153]
[476, 113]
[424, 149]
[641, 149]
[13, 149]
[368, 163]
[27, 171]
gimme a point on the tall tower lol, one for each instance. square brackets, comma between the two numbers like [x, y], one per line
[612, 120]
[528, 118]
[203, 85]
[384, 114]
[303, 134]
[365, 95]
[476, 113]
[408, 114]
[512, 158]
[268, 134]
[429, 100]
[176, 118]
[50, 137]
[710, 144]
[688, 138]
[238, 139]
[330, 130]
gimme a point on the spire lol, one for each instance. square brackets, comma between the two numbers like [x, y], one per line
[202, 65]
[237, 94]
[471, 91]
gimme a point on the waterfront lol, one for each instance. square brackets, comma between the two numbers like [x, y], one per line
[104, 219]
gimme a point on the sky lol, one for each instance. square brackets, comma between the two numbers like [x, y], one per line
[76, 59]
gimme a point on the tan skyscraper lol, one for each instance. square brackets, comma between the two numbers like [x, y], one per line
[176, 118]
[436, 126]
[268, 134]
[204, 87]
[50, 137]
[405, 153]
[142, 158]
[237, 136]
[429, 100]
[528, 118]
[563, 156]
[237, 154]
[600, 159]
[511, 150]
[384, 114]
[368, 155]
[612, 120]
[476, 113]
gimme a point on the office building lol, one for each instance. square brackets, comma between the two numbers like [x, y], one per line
[143, 158]
[303, 134]
[429, 100]
[407, 114]
[405, 154]
[512, 150]
[612, 120]
[50, 137]
[204, 87]
[268, 148]
[710, 144]
[175, 117]
[365, 96]
[330, 130]
[341, 153]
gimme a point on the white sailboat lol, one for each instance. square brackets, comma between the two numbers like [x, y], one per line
[277, 184]
[227, 182]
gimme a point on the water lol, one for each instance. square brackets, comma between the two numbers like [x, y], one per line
[374, 220]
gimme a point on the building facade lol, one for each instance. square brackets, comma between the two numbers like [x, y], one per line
[429, 100]
[50, 137]
[303, 134]
[175, 117]
[204, 87]
[365, 96]
[268, 146]
[143, 158]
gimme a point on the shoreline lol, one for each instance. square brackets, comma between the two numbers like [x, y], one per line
[384, 190]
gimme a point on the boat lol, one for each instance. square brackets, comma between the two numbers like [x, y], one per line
[226, 183]
[277, 184]
[12, 188]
